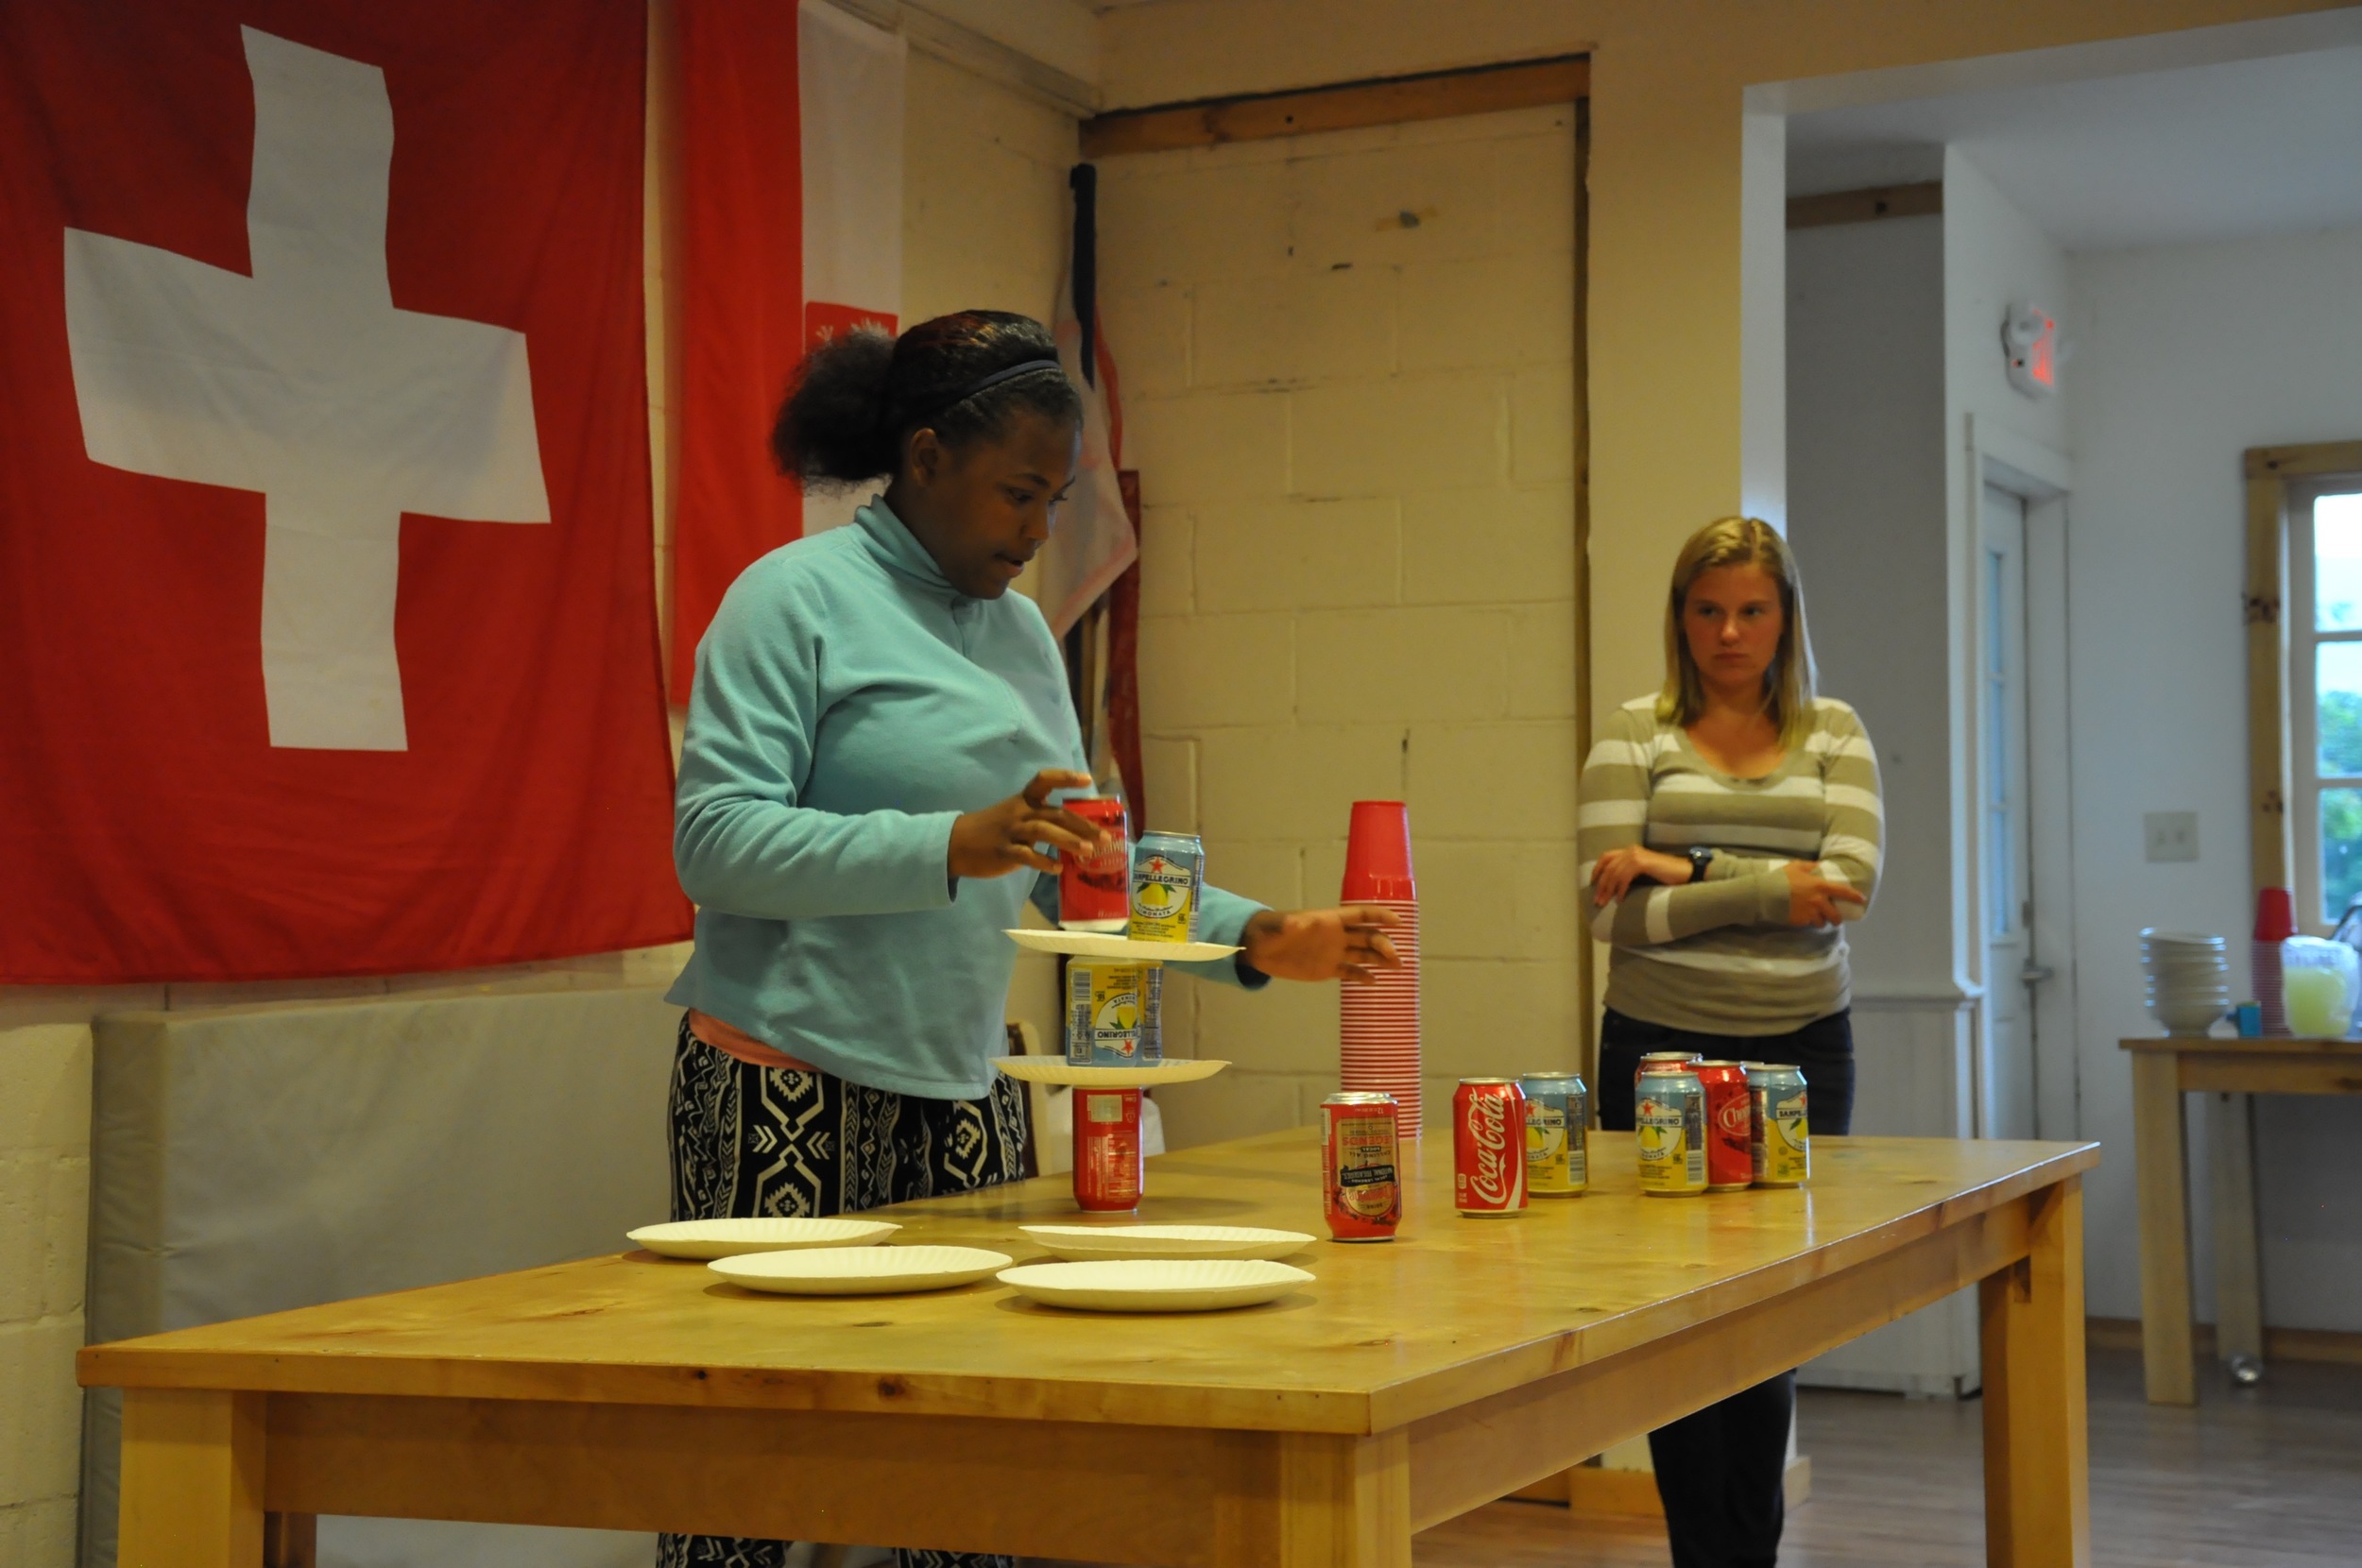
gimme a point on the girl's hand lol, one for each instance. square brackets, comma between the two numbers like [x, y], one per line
[1346, 944]
[1617, 870]
[1813, 899]
[1001, 839]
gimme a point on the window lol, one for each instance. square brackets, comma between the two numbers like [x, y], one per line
[2325, 701]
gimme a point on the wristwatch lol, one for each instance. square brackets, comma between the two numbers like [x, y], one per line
[1700, 857]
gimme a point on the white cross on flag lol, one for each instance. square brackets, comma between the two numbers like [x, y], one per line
[311, 306]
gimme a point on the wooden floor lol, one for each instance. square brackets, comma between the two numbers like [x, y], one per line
[2265, 1478]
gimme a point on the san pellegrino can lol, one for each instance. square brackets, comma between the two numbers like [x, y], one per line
[1167, 873]
[1558, 1108]
[1488, 1146]
[1730, 1125]
[1669, 1117]
[1112, 1014]
[1361, 1166]
[1782, 1133]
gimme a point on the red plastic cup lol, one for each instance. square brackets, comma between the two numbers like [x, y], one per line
[2275, 911]
[1378, 853]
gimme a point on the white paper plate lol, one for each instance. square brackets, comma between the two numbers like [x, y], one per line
[1115, 945]
[1201, 1284]
[1085, 1243]
[713, 1239]
[1055, 1069]
[860, 1271]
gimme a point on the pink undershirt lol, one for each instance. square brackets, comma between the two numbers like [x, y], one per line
[732, 1041]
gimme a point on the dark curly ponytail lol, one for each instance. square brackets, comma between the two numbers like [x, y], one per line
[856, 397]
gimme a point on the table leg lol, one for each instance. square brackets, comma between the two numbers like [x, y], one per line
[2037, 1467]
[2163, 1185]
[1344, 1502]
[291, 1541]
[192, 1479]
[2239, 1281]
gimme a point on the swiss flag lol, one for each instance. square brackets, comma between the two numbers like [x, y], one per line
[327, 635]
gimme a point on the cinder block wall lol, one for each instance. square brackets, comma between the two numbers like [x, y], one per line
[1347, 364]
[44, 1208]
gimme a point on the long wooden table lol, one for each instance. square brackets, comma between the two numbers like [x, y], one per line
[1413, 1381]
[2164, 1070]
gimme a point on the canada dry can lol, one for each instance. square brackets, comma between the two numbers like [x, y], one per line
[1730, 1125]
[1361, 1170]
[1781, 1143]
[1671, 1120]
[1111, 1014]
[1557, 1152]
[1656, 1059]
[1488, 1146]
[1095, 892]
[1167, 873]
[1107, 1169]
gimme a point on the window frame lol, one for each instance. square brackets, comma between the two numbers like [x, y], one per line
[2282, 715]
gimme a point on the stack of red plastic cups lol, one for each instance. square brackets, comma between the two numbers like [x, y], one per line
[1380, 1036]
[2275, 923]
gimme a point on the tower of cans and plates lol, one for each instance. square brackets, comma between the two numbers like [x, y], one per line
[1149, 891]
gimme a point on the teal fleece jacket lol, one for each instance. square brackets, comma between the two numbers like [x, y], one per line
[850, 704]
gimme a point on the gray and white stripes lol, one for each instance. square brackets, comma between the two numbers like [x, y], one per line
[1720, 957]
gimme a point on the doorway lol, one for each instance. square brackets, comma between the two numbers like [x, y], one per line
[2007, 1089]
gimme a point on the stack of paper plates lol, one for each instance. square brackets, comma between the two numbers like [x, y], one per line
[1087, 1242]
[713, 1239]
[860, 1271]
[1200, 1286]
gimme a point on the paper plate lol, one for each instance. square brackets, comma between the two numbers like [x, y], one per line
[860, 1271]
[1085, 1243]
[1203, 1285]
[1055, 1069]
[1115, 945]
[713, 1239]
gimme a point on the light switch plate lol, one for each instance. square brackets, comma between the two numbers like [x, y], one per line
[2170, 835]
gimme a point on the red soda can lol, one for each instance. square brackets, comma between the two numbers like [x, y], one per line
[1488, 1146]
[1662, 1059]
[1107, 1163]
[1361, 1173]
[1095, 894]
[1730, 1125]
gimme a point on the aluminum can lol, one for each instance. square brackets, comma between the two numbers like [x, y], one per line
[1112, 1014]
[1361, 1166]
[1730, 1125]
[1095, 894]
[1558, 1112]
[1107, 1161]
[1167, 873]
[1656, 1059]
[1781, 1144]
[1670, 1116]
[1488, 1146]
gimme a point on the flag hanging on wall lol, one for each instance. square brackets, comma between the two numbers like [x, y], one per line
[327, 639]
[791, 180]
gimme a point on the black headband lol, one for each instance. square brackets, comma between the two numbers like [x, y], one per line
[985, 383]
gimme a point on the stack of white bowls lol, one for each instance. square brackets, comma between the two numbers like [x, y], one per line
[2189, 979]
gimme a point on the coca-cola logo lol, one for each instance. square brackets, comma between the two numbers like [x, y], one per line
[1493, 1181]
[1735, 1117]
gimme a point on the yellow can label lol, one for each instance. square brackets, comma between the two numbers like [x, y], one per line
[1672, 1145]
[1164, 899]
[1111, 1014]
[1787, 1144]
[1554, 1161]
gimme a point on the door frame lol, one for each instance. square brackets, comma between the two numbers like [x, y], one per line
[2044, 480]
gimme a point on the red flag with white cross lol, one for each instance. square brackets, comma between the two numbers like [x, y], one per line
[327, 637]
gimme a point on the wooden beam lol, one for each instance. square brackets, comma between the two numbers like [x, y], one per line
[2336, 1347]
[1865, 206]
[2313, 459]
[2270, 855]
[1437, 95]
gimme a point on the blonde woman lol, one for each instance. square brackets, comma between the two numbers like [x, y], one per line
[1729, 825]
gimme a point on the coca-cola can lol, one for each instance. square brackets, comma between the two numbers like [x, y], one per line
[1730, 1125]
[1361, 1168]
[1095, 893]
[1107, 1164]
[1657, 1060]
[1488, 1146]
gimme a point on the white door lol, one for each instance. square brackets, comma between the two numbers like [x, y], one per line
[2006, 1096]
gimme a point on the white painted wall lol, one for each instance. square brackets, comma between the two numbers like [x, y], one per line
[2186, 355]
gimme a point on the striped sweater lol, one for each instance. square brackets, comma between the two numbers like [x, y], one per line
[1718, 956]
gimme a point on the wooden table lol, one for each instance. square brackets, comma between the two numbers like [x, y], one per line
[2163, 1071]
[1413, 1381]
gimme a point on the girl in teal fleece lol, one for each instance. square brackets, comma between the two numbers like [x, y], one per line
[875, 733]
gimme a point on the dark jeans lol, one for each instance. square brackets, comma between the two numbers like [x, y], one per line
[1720, 1471]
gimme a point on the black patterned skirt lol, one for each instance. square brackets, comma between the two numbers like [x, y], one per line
[752, 1142]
